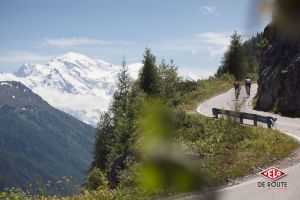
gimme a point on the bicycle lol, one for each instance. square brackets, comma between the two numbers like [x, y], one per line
[237, 88]
[237, 93]
[247, 90]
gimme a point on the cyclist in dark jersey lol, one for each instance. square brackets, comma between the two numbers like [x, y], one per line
[237, 89]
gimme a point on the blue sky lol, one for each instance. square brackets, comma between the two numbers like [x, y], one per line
[195, 33]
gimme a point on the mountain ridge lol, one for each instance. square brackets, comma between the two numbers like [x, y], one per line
[38, 141]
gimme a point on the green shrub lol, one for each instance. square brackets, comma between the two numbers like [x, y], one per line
[95, 179]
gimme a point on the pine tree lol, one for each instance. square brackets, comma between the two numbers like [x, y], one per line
[120, 97]
[103, 141]
[113, 128]
[148, 77]
[120, 108]
[234, 60]
[169, 82]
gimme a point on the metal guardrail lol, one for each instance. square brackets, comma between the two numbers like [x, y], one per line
[270, 121]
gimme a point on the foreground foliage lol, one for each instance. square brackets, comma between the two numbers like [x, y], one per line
[224, 148]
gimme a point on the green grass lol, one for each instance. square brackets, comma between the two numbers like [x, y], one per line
[205, 90]
[231, 150]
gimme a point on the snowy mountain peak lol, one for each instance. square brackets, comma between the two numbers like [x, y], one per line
[75, 83]
[191, 77]
[73, 56]
[24, 70]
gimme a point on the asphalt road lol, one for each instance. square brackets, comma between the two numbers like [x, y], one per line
[249, 189]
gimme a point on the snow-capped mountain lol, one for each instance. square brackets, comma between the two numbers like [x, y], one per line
[74, 83]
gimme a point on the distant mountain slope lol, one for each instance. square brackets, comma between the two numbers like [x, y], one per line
[39, 141]
[74, 83]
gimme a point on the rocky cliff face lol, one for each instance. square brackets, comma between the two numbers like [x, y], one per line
[279, 73]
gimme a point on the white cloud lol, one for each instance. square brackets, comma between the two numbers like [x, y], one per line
[195, 73]
[215, 43]
[77, 41]
[22, 56]
[208, 9]
[215, 38]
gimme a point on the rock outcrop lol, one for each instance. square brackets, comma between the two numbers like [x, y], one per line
[279, 73]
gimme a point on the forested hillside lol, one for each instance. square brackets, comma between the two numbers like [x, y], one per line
[39, 143]
[242, 57]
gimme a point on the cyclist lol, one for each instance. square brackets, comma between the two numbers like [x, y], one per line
[237, 89]
[248, 86]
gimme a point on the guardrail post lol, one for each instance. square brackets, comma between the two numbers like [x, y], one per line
[269, 122]
[255, 120]
[241, 118]
[215, 113]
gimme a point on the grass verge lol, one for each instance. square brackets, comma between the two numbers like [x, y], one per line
[205, 89]
[230, 150]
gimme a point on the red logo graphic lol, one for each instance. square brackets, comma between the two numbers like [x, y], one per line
[272, 173]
